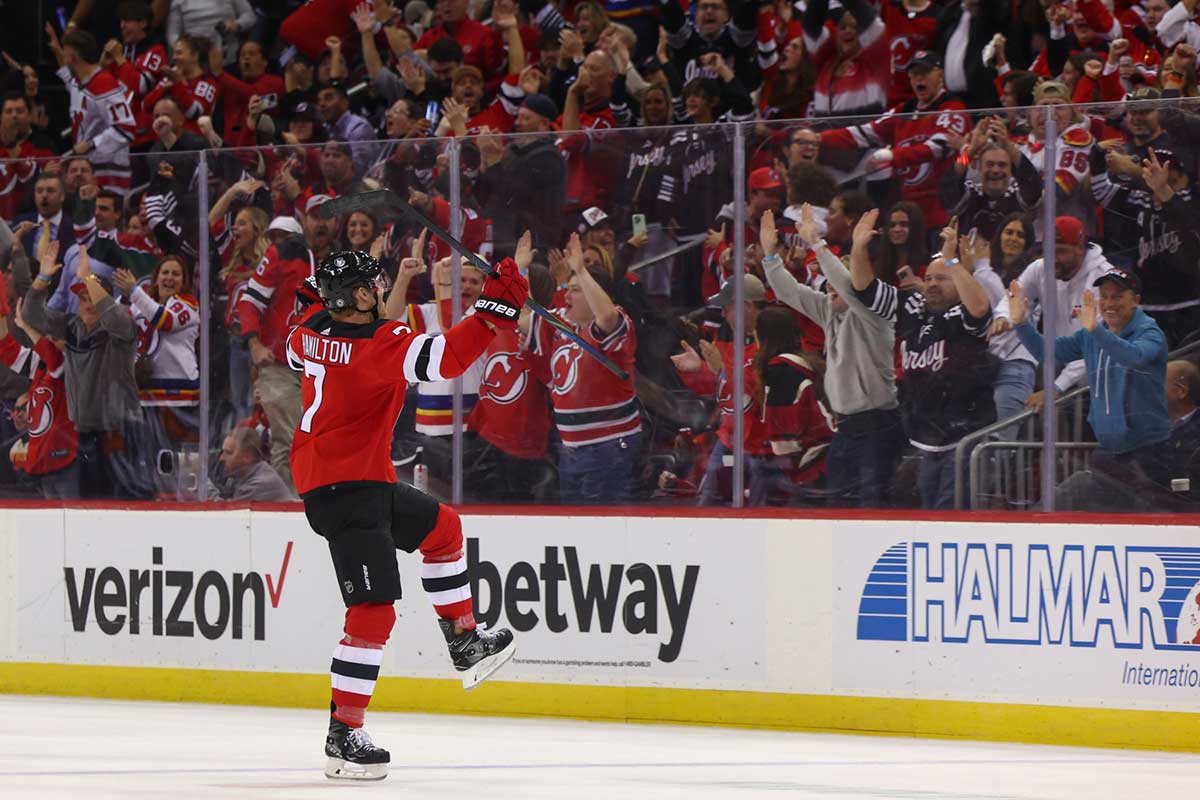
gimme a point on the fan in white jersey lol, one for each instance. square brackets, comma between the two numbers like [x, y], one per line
[102, 123]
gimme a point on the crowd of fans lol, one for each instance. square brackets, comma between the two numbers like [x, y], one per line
[895, 163]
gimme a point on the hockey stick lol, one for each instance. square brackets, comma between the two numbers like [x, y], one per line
[368, 201]
[685, 243]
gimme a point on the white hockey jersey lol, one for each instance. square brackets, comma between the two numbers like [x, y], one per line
[167, 336]
[101, 115]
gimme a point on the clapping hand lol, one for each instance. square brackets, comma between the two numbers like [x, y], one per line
[768, 237]
[1088, 314]
[808, 230]
[574, 254]
[715, 238]
[524, 253]
[711, 356]
[83, 268]
[1018, 305]
[123, 279]
[688, 360]
[48, 263]
[364, 18]
[865, 231]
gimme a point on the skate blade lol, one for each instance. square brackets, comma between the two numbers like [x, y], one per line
[483, 670]
[337, 769]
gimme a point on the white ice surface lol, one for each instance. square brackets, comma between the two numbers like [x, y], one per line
[54, 748]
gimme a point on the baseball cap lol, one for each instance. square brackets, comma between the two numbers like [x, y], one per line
[1057, 88]
[591, 218]
[765, 178]
[1146, 93]
[315, 201]
[925, 59]
[79, 287]
[541, 105]
[1122, 278]
[1069, 230]
[649, 65]
[753, 291]
[286, 224]
[305, 111]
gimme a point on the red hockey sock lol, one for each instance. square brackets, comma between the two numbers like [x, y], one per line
[356, 660]
[444, 572]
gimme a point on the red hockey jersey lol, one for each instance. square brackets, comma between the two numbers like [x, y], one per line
[797, 424]
[704, 383]
[909, 32]
[53, 441]
[513, 411]
[920, 147]
[268, 306]
[195, 97]
[139, 74]
[482, 47]
[355, 377]
[591, 405]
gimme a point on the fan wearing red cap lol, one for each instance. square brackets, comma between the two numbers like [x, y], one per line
[1076, 265]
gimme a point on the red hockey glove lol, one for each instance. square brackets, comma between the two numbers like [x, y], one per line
[503, 296]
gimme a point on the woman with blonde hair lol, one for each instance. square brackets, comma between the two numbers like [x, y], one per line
[241, 240]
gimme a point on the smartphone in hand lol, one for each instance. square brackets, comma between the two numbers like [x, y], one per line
[639, 224]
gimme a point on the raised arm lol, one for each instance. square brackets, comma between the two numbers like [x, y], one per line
[603, 309]
[39, 316]
[973, 296]
[409, 268]
[364, 20]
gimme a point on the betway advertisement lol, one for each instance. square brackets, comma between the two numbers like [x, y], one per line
[594, 600]
[1042, 613]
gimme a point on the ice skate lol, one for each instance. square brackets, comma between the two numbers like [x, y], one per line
[352, 754]
[478, 653]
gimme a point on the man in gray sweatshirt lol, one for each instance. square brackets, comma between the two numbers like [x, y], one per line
[102, 396]
[860, 374]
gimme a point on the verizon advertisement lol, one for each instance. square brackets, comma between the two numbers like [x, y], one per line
[1099, 615]
[592, 600]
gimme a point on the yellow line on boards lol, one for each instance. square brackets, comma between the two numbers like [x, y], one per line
[1059, 725]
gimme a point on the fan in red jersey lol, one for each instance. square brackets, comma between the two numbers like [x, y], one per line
[356, 368]
[187, 81]
[53, 441]
[597, 413]
[507, 457]
[913, 145]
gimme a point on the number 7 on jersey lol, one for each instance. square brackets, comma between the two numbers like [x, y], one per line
[317, 372]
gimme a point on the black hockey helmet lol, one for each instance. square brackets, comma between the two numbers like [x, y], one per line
[343, 272]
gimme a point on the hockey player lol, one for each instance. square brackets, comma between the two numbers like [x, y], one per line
[356, 367]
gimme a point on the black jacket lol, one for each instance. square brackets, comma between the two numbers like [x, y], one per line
[526, 190]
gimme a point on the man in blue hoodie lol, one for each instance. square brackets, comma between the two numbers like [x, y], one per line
[1125, 353]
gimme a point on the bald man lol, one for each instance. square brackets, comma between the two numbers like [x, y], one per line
[1183, 397]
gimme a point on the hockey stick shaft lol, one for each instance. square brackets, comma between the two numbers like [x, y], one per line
[372, 200]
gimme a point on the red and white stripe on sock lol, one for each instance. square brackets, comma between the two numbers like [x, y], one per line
[356, 660]
[444, 571]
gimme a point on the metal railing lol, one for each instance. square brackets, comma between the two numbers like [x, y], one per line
[968, 452]
[1025, 419]
[1019, 486]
